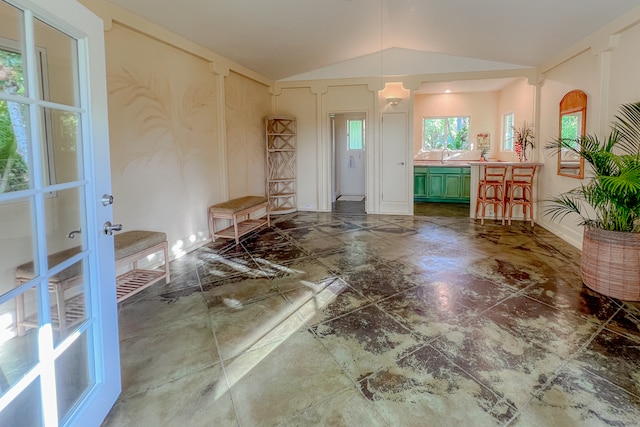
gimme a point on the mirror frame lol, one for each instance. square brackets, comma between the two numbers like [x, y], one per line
[573, 102]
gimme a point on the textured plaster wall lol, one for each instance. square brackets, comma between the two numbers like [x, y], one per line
[301, 104]
[247, 103]
[164, 145]
[581, 72]
[624, 84]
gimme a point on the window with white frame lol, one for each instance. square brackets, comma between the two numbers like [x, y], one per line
[507, 132]
[445, 132]
[355, 134]
[14, 150]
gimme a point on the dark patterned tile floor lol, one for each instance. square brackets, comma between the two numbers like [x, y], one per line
[348, 319]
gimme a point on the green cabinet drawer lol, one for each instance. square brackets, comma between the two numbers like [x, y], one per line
[444, 170]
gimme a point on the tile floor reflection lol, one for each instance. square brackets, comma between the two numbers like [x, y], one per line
[346, 319]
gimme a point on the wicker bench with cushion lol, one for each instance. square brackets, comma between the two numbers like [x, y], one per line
[130, 247]
[58, 285]
[239, 212]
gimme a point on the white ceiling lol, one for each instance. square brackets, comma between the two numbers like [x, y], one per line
[464, 86]
[282, 39]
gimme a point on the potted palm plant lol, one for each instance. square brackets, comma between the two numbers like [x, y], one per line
[608, 205]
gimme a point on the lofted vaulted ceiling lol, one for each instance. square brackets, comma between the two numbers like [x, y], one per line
[284, 39]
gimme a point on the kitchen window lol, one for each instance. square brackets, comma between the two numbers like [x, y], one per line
[507, 132]
[445, 132]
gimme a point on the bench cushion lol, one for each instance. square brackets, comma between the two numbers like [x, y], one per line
[236, 205]
[25, 271]
[125, 244]
[131, 242]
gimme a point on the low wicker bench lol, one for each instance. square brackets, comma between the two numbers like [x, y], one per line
[239, 212]
[73, 309]
[130, 247]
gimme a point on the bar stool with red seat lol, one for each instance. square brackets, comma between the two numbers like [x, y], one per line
[520, 191]
[491, 190]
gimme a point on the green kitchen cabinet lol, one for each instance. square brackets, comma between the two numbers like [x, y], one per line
[442, 184]
[420, 182]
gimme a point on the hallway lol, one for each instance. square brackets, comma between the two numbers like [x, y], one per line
[346, 319]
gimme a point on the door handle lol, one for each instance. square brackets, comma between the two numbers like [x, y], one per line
[401, 163]
[107, 199]
[110, 228]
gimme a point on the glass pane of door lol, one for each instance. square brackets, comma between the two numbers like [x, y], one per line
[58, 54]
[73, 374]
[26, 409]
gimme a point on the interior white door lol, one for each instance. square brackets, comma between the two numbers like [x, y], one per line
[351, 159]
[395, 196]
[59, 352]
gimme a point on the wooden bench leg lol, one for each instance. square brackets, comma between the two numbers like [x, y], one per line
[212, 231]
[166, 261]
[62, 309]
[235, 228]
[20, 314]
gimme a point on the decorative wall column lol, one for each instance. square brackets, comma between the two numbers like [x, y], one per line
[603, 50]
[220, 72]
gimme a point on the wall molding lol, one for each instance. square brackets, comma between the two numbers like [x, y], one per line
[110, 13]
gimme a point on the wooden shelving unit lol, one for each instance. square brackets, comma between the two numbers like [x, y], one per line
[281, 164]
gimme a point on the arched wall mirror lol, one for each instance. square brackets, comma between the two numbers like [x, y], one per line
[573, 124]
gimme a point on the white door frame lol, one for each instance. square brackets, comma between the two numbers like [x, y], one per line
[101, 326]
[334, 154]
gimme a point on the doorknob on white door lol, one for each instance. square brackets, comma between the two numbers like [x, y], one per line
[107, 199]
[401, 163]
[110, 228]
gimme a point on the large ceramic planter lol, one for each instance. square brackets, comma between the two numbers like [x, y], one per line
[611, 263]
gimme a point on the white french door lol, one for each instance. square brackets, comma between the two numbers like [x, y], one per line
[59, 357]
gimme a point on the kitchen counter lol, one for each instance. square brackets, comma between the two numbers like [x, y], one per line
[446, 164]
[501, 163]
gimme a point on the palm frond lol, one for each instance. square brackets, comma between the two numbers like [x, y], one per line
[565, 204]
[625, 184]
[628, 125]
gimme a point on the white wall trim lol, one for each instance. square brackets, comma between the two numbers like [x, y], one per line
[109, 13]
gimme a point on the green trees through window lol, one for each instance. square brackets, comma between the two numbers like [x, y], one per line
[14, 172]
[446, 132]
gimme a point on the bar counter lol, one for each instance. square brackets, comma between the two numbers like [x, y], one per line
[475, 177]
